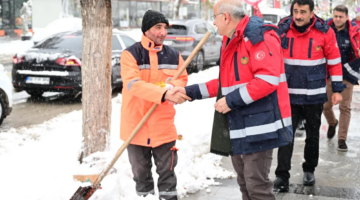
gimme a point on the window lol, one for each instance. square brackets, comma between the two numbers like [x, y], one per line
[176, 30]
[127, 41]
[200, 28]
[270, 18]
[62, 42]
[116, 44]
[210, 28]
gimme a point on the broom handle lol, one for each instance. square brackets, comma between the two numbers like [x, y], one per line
[150, 111]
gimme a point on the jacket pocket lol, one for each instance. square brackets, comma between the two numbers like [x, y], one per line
[316, 86]
[169, 73]
[259, 121]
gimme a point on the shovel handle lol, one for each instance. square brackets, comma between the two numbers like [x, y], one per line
[150, 111]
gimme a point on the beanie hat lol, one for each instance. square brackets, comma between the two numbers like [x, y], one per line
[151, 18]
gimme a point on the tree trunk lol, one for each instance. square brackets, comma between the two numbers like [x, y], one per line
[177, 11]
[96, 74]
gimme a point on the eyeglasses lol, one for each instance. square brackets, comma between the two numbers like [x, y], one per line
[214, 17]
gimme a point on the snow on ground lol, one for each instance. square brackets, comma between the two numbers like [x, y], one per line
[13, 47]
[38, 162]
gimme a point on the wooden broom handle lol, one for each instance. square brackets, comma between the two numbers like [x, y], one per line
[150, 111]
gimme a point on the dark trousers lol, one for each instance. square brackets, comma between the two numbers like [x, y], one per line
[312, 116]
[253, 175]
[165, 160]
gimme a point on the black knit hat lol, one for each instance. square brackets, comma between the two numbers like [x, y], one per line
[152, 17]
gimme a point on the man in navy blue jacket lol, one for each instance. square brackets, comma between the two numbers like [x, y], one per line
[348, 38]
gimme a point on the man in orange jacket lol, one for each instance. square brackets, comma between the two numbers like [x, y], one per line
[144, 67]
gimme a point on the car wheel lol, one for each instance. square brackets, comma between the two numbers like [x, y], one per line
[200, 61]
[34, 93]
[2, 109]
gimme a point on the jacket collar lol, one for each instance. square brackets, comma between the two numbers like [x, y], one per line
[149, 44]
[240, 28]
[352, 27]
[288, 22]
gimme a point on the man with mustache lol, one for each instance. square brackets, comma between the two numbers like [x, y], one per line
[348, 39]
[310, 54]
[144, 66]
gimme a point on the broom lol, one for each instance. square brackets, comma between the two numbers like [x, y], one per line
[84, 193]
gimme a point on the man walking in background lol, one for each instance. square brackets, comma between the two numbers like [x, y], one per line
[310, 53]
[348, 39]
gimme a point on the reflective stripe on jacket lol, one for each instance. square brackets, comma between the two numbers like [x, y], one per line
[351, 69]
[253, 81]
[308, 58]
[142, 66]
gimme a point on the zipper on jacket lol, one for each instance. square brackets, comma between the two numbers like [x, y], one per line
[310, 46]
[236, 69]
[291, 47]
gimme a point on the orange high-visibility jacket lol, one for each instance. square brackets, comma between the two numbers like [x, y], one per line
[142, 66]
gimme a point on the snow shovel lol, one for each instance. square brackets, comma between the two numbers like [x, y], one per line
[84, 193]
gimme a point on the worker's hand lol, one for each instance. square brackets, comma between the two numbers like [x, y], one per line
[176, 97]
[336, 98]
[221, 106]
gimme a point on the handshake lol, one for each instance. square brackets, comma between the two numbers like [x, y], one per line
[176, 95]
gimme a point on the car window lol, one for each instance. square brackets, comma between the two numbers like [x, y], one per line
[62, 42]
[127, 41]
[271, 18]
[116, 44]
[177, 30]
[200, 28]
[210, 28]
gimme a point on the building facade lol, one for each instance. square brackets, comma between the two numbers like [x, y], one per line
[10, 19]
[125, 13]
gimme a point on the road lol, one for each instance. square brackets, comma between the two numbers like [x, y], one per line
[28, 111]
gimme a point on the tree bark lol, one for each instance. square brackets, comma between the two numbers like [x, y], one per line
[96, 74]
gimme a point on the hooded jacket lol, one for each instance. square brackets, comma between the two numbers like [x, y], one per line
[309, 57]
[253, 82]
[351, 69]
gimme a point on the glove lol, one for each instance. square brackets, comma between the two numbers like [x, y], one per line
[169, 86]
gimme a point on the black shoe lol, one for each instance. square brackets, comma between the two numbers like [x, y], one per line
[342, 145]
[332, 130]
[309, 179]
[281, 185]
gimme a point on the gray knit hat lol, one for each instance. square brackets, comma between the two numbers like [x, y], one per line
[152, 17]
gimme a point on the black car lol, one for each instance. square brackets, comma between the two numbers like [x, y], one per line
[184, 35]
[54, 64]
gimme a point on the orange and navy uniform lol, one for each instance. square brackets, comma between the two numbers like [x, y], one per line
[143, 65]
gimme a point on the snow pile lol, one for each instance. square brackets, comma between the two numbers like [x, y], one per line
[42, 159]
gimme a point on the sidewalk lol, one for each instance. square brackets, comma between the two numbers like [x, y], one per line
[337, 175]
